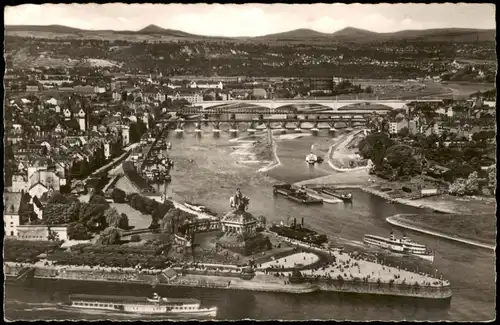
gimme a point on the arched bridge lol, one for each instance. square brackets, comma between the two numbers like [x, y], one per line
[328, 103]
[284, 122]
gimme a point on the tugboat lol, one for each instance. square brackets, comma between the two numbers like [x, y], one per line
[299, 232]
[295, 195]
[346, 197]
[140, 305]
[398, 245]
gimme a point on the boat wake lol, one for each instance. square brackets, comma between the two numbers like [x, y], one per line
[41, 309]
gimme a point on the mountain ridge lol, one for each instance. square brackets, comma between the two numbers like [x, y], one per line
[348, 34]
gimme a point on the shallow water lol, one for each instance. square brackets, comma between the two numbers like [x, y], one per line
[205, 171]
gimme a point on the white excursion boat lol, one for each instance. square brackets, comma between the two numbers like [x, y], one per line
[400, 245]
[141, 305]
[199, 208]
[312, 158]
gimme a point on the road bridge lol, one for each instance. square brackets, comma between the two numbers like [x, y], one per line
[329, 103]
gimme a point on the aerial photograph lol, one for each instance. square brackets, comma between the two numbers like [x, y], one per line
[211, 162]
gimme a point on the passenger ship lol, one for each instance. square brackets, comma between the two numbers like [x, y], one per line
[141, 305]
[398, 245]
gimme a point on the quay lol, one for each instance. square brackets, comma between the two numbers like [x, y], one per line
[347, 274]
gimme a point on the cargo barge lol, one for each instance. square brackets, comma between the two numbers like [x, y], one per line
[299, 196]
[346, 197]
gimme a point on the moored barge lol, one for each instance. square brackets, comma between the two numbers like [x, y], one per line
[346, 197]
[295, 195]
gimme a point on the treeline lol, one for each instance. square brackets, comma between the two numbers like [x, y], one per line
[152, 254]
[83, 219]
[26, 251]
[463, 163]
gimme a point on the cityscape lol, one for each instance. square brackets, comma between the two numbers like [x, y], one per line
[160, 170]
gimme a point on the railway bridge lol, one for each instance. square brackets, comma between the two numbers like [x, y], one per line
[298, 122]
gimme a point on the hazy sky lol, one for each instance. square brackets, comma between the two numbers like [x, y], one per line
[255, 19]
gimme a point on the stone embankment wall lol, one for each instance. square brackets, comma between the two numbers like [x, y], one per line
[237, 284]
[385, 289]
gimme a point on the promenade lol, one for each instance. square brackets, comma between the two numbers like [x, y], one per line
[350, 266]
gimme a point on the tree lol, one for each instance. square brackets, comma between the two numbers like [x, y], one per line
[374, 147]
[73, 125]
[400, 158]
[77, 231]
[404, 132]
[53, 236]
[112, 217]
[123, 223]
[469, 186]
[98, 199]
[110, 236]
[118, 195]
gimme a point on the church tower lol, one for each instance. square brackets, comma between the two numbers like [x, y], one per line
[82, 119]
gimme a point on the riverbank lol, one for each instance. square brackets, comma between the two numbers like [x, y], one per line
[360, 179]
[338, 152]
[261, 281]
[276, 160]
[409, 222]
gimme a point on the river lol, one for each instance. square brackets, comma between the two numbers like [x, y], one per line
[206, 169]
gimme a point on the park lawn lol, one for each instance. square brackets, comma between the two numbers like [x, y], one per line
[477, 227]
[135, 218]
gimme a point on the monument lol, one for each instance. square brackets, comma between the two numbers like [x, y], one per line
[239, 228]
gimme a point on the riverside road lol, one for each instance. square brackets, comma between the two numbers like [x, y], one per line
[207, 170]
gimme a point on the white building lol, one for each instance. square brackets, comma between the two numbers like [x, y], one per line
[200, 85]
[42, 232]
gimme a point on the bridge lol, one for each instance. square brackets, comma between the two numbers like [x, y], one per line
[329, 103]
[268, 111]
[299, 121]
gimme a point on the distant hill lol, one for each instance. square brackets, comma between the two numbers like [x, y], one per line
[349, 34]
[296, 34]
[49, 28]
[153, 29]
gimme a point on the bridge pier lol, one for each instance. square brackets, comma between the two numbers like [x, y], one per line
[234, 129]
[251, 128]
[332, 128]
[216, 129]
[298, 128]
[179, 129]
[282, 130]
[198, 127]
[315, 129]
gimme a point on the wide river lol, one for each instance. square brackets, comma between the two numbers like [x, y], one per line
[206, 171]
